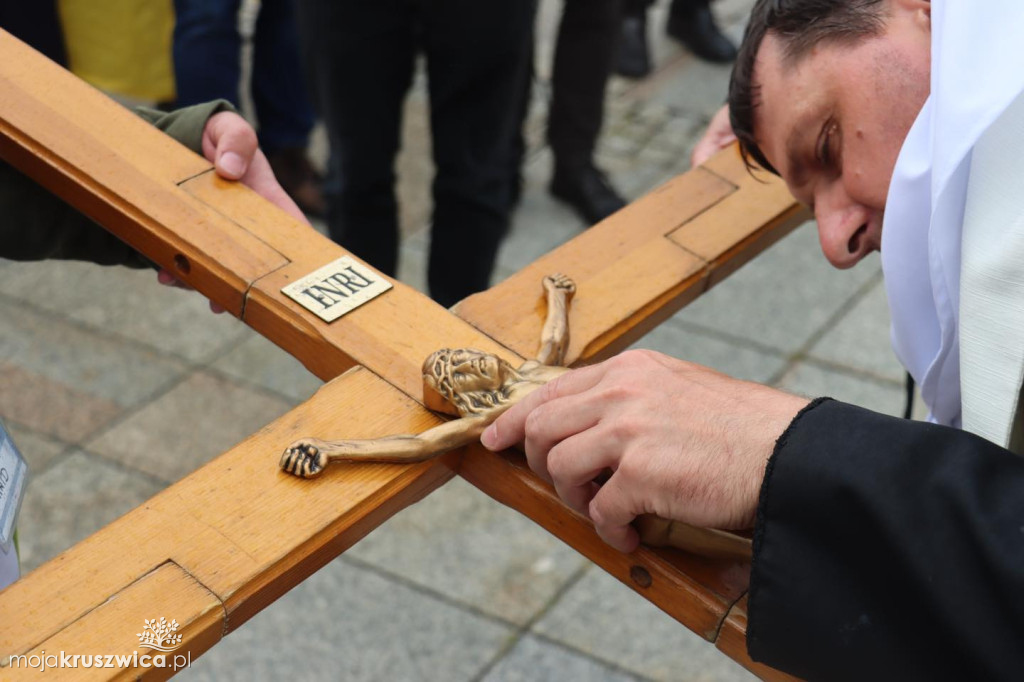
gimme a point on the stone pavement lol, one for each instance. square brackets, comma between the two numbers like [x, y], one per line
[115, 387]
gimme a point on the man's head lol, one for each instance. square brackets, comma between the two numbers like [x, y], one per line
[471, 380]
[823, 94]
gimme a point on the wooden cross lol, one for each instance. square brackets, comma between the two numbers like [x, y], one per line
[224, 542]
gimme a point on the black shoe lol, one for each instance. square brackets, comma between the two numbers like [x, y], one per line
[586, 189]
[632, 58]
[299, 180]
[691, 23]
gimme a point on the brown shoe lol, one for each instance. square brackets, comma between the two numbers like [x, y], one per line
[300, 180]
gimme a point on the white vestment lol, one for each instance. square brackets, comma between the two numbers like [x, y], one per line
[976, 73]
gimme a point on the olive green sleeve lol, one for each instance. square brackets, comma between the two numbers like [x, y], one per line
[35, 225]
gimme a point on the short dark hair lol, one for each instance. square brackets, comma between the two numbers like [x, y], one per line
[800, 24]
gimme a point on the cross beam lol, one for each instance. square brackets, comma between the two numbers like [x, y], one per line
[224, 542]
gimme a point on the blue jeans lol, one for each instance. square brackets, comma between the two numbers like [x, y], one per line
[207, 65]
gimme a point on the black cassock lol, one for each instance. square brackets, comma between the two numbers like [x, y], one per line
[888, 549]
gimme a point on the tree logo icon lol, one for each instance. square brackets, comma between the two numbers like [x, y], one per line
[159, 635]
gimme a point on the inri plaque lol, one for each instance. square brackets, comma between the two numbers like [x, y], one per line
[337, 288]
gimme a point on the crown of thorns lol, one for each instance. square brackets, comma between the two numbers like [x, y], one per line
[438, 369]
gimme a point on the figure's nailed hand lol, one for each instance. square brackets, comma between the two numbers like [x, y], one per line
[718, 136]
[559, 281]
[230, 143]
[680, 441]
[304, 459]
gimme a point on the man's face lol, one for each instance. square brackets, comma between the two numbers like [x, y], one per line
[833, 123]
[473, 371]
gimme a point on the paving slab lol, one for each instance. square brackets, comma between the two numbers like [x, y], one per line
[860, 341]
[194, 422]
[459, 543]
[119, 301]
[737, 359]
[811, 380]
[606, 620]
[49, 407]
[82, 360]
[74, 499]
[346, 623]
[537, 660]
[785, 297]
[65, 381]
[258, 361]
[38, 450]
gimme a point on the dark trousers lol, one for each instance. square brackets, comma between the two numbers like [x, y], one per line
[361, 56]
[583, 62]
[207, 65]
[635, 7]
[36, 23]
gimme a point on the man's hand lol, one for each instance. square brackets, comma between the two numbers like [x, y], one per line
[681, 441]
[229, 142]
[718, 136]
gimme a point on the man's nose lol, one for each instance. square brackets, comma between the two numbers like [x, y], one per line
[842, 229]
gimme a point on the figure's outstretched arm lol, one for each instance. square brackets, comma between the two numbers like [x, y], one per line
[554, 338]
[308, 457]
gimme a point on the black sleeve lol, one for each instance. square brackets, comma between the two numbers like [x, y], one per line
[888, 549]
[35, 225]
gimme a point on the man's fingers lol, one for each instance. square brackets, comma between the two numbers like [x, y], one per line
[510, 428]
[613, 510]
[230, 143]
[551, 423]
[576, 462]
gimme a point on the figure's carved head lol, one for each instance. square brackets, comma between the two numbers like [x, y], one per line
[471, 380]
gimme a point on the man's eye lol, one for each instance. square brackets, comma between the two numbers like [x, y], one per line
[826, 156]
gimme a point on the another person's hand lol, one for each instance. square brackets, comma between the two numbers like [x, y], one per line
[230, 143]
[718, 136]
[681, 441]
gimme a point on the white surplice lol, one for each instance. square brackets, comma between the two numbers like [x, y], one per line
[977, 70]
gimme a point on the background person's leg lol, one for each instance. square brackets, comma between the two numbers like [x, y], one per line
[36, 23]
[633, 55]
[359, 58]
[282, 103]
[478, 55]
[207, 51]
[583, 62]
[692, 23]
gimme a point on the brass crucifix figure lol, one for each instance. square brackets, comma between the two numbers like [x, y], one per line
[479, 387]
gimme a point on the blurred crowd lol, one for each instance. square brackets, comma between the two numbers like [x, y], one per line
[350, 65]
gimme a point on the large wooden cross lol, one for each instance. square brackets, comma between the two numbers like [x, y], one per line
[224, 542]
